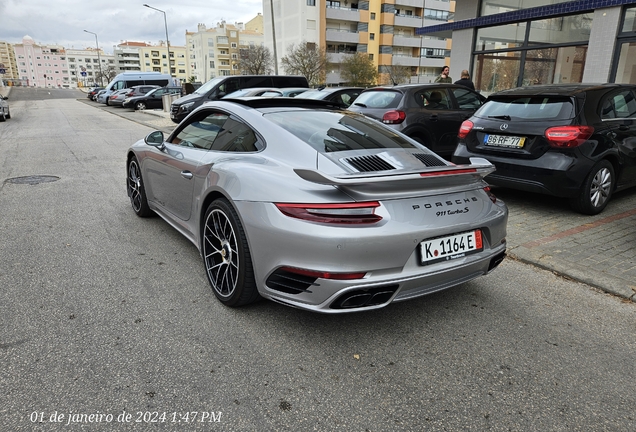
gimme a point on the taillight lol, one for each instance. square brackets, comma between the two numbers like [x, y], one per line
[325, 275]
[349, 213]
[568, 136]
[465, 128]
[491, 195]
[394, 117]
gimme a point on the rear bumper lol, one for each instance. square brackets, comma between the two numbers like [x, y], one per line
[554, 173]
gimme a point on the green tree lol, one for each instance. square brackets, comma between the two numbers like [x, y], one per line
[359, 70]
[256, 60]
[308, 60]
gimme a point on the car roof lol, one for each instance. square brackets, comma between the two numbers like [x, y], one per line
[560, 89]
[407, 87]
[334, 89]
[279, 102]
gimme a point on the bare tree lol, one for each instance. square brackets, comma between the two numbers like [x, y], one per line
[308, 60]
[106, 75]
[359, 70]
[395, 74]
[256, 60]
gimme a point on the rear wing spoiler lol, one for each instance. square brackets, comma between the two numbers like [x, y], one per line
[452, 174]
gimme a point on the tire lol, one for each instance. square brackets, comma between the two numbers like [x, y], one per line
[3, 116]
[107, 103]
[140, 106]
[136, 190]
[8, 115]
[596, 190]
[226, 256]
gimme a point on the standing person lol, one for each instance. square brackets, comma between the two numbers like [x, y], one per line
[465, 80]
[443, 77]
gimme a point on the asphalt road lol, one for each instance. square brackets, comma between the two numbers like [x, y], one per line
[102, 313]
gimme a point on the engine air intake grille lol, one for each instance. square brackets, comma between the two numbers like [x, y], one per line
[369, 163]
[429, 160]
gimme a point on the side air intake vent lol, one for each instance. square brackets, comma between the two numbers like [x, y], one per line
[369, 163]
[290, 283]
[429, 160]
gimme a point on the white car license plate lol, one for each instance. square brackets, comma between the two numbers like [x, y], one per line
[504, 141]
[451, 247]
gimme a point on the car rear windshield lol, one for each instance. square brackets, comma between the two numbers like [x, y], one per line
[528, 108]
[329, 131]
[379, 99]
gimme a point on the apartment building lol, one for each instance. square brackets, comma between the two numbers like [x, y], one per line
[155, 59]
[385, 30]
[143, 56]
[215, 51]
[87, 67]
[8, 64]
[41, 65]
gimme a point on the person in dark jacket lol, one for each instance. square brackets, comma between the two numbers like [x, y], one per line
[465, 80]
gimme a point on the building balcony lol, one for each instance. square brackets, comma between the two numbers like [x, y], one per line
[344, 14]
[412, 21]
[407, 41]
[339, 57]
[347, 36]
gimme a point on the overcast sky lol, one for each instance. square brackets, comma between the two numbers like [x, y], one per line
[63, 22]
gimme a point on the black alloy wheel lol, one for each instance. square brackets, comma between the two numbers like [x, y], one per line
[136, 190]
[596, 190]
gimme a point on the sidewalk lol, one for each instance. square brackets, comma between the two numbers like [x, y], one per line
[544, 231]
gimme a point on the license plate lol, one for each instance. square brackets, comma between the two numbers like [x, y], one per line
[504, 141]
[451, 247]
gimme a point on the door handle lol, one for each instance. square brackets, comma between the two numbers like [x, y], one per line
[434, 117]
[186, 175]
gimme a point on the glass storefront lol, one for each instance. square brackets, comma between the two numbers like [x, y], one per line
[625, 67]
[544, 51]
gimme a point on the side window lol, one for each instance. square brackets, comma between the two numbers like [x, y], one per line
[229, 86]
[119, 85]
[202, 131]
[257, 81]
[436, 99]
[620, 105]
[467, 99]
[235, 137]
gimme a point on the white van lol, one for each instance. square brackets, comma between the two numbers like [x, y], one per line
[131, 79]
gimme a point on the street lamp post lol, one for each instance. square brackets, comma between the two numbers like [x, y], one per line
[165, 21]
[99, 59]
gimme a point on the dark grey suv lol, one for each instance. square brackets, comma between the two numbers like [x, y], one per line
[429, 113]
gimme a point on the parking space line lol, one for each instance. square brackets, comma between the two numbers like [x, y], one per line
[578, 229]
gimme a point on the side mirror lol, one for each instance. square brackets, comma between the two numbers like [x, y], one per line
[154, 139]
[6, 98]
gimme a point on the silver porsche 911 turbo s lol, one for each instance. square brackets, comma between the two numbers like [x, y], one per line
[302, 203]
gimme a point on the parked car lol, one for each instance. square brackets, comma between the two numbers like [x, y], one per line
[101, 96]
[249, 92]
[117, 97]
[576, 141]
[152, 99]
[92, 92]
[431, 114]
[285, 92]
[219, 87]
[315, 207]
[343, 96]
[4, 108]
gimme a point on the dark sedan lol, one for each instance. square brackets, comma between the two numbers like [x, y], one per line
[429, 113]
[152, 99]
[576, 141]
